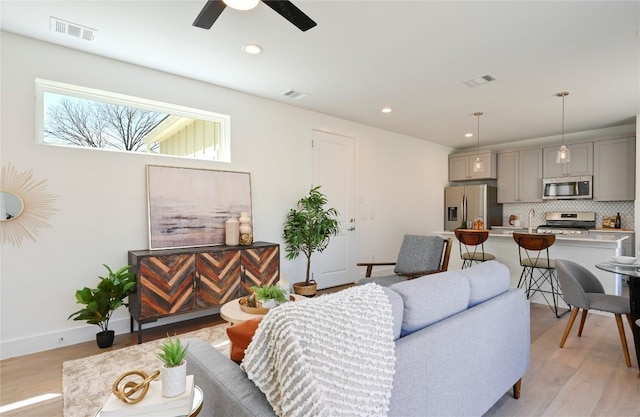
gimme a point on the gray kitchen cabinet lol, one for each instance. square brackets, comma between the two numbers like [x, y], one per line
[614, 173]
[520, 176]
[581, 162]
[461, 166]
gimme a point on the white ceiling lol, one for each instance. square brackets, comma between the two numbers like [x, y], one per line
[412, 56]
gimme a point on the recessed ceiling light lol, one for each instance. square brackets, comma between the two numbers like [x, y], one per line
[387, 110]
[252, 49]
[468, 135]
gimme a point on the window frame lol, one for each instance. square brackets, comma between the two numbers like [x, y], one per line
[43, 86]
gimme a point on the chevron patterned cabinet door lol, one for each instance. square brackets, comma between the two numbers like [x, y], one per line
[166, 285]
[260, 266]
[217, 277]
[176, 281]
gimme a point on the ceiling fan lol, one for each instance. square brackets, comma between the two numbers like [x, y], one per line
[212, 10]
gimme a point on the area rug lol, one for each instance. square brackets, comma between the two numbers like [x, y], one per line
[86, 382]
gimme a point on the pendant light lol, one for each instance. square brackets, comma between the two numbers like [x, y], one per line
[478, 165]
[563, 156]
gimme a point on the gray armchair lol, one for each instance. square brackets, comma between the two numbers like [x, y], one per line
[582, 290]
[418, 256]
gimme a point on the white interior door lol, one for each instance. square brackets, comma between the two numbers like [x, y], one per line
[333, 170]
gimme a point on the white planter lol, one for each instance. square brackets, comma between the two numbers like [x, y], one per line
[174, 380]
[269, 303]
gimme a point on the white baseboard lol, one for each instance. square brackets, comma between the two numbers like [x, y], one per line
[68, 337]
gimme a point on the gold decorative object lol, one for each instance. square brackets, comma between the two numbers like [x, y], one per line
[132, 392]
[246, 239]
[36, 205]
[246, 231]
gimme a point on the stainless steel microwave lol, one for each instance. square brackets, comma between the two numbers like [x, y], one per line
[567, 188]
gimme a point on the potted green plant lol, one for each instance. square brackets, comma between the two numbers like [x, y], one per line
[307, 229]
[174, 367]
[101, 302]
[269, 295]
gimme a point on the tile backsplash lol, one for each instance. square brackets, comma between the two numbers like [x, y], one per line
[601, 208]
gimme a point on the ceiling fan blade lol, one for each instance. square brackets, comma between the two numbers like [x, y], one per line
[290, 12]
[209, 14]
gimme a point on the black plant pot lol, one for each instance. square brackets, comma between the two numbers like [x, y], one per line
[105, 339]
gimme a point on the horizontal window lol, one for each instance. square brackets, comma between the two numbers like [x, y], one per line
[76, 116]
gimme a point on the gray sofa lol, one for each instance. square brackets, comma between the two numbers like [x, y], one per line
[462, 342]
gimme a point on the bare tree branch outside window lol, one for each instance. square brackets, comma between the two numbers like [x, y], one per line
[99, 125]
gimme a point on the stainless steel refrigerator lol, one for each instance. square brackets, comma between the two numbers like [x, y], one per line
[465, 203]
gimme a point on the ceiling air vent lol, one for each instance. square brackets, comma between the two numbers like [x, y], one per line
[296, 95]
[483, 79]
[71, 29]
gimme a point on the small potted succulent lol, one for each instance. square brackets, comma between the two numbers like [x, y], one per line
[269, 295]
[101, 302]
[174, 369]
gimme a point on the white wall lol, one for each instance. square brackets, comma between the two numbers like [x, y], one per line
[637, 202]
[101, 196]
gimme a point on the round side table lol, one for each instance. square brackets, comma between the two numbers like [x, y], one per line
[232, 313]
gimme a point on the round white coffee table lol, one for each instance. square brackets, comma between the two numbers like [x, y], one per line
[232, 313]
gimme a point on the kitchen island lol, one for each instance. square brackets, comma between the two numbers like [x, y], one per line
[587, 250]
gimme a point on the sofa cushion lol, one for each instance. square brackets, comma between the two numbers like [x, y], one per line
[486, 280]
[432, 298]
[397, 307]
[240, 335]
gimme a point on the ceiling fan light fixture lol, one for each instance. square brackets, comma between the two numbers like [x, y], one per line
[241, 4]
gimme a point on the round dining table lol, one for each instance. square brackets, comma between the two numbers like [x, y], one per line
[633, 272]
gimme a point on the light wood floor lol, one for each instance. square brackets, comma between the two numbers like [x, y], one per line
[586, 378]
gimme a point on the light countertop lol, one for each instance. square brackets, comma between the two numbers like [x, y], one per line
[590, 238]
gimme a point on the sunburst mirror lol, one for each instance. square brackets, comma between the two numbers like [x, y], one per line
[25, 205]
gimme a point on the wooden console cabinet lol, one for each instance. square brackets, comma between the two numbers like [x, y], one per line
[177, 281]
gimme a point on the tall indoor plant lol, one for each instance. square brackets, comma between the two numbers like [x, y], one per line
[101, 302]
[307, 229]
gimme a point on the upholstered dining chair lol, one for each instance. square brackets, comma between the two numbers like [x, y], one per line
[419, 255]
[471, 243]
[582, 290]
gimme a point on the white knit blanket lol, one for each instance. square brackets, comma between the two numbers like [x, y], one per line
[329, 356]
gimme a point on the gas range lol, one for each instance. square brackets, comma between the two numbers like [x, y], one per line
[562, 230]
[568, 223]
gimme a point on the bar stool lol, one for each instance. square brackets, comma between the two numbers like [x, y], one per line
[533, 250]
[473, 242]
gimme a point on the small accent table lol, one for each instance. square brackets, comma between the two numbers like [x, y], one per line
[633, 272]
[232, 313]
[196, 406]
